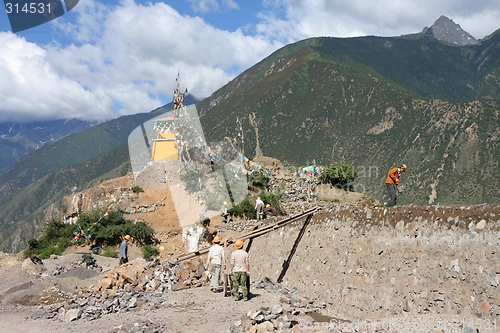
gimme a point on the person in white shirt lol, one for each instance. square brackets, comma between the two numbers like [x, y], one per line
[217, 261]
[223, 212]
[259, 208]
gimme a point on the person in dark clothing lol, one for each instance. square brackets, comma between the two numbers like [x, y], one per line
[124, 250]
[270, 211]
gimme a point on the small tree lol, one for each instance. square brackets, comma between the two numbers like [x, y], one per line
[339, 175]
[97, 227]
[244, 209]
[137, 189]
[149, 251]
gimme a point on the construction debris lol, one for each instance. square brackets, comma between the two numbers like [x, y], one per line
[295, 314]
[134, 285]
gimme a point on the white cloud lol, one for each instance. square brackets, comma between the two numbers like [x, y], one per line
[297, 19]
[31, 90]
[125, 62]
[205, 6]
[125, 57]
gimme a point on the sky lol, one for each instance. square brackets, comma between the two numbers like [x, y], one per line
[106, 58]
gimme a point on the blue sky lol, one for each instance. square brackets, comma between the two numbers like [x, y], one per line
[104, 59]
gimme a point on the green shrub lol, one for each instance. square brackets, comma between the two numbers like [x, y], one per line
[258, 180]
[48, 251]
[33, 244]
[245, 209]
[110, 252]
[137, 189]
[339, 174]
[149, 251]
[55, 239]
[273, 199]
[101, 228]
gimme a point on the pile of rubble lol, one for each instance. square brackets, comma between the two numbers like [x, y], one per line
[145, 326]
[240, 226]
[298, 195]
[297, 314]
[278, 320]
[135, 285]
[143, 208]
[42, 272]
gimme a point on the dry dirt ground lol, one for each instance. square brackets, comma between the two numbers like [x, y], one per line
[191, 310]
[163, 220]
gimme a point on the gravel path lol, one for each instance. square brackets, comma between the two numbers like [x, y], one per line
[192, 310]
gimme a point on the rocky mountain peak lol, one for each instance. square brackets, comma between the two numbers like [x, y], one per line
[446, 30]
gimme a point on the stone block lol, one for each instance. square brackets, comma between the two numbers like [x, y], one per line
[72, 314]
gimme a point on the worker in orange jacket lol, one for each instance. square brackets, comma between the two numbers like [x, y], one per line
[392, 181]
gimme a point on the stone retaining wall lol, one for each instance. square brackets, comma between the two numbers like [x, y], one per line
[379, 262]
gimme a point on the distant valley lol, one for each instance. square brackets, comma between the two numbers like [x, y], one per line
[17, 139]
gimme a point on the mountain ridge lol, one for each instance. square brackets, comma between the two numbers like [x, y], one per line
[359, 107]
[354, 100]
[17, 139]
[446, 30]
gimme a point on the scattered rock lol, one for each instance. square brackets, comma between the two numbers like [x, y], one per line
[481, 224]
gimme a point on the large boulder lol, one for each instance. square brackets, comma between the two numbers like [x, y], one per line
[192, 236]
[119, 276]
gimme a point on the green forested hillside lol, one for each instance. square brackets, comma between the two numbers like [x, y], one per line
[424, 65]
[419, 63]
[370, 101]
